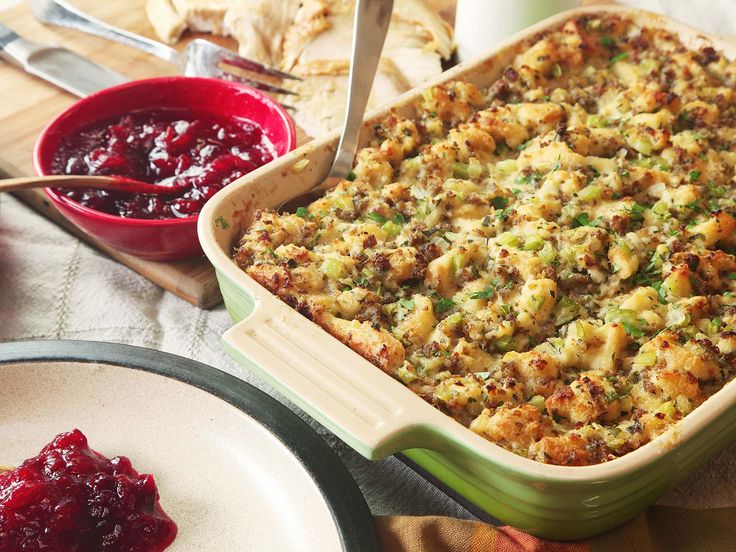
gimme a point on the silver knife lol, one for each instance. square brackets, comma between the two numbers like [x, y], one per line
[64, 68]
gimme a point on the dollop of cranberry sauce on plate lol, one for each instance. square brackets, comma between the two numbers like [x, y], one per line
[70, 498]
[162, 146]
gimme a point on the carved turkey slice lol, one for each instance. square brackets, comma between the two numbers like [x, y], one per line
[312, 39]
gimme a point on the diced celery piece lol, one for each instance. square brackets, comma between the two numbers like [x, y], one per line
[344, 202]
[661, 209]
[537, 401]
[406, 375]
[334, 269]
[505, 167]
[683, 405]
[565, 311]
[615, 314]
[457, 263]
[668, 409]
[535, 242]
[578, 330]
[590, 193]
[660, 163]
[507, 239]
[391, 228]
[644, 360]
[504, 343]
[453, 320]
[643, 144]
[648, 65]
[475, 170]
[537, 301]
[461, 170]
[596, 121]
[548, 254]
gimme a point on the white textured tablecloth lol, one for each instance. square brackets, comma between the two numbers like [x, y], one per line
[52, 286]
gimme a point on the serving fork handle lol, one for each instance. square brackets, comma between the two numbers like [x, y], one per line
[372, 18]
[58, 12]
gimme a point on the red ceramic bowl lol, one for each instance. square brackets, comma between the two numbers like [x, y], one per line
[169, 239]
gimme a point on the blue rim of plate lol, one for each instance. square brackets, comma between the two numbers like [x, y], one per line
[350, 512]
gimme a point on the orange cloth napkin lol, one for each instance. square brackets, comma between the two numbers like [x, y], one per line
[659, 529]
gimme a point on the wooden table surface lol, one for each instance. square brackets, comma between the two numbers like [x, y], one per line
[28, 104]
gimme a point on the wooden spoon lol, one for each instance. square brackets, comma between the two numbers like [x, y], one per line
[116, 183]
[5, 468]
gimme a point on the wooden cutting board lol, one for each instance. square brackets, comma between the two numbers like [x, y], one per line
[28, 104]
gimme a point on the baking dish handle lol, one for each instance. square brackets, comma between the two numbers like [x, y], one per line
[370, 411]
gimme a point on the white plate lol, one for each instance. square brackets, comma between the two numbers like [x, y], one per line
[243, 476]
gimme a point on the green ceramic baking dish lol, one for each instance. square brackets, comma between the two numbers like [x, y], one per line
[378, 416]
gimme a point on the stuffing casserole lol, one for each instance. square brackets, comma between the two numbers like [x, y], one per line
[548, 261]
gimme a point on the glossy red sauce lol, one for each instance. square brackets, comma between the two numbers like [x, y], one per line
[164, 146]
[70, 498]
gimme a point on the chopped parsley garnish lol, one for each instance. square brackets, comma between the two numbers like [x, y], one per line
[661, 291]
[399, 218]
[350, 176]
[504, 214]
[500, 202]
[715, 190]
[732, 276]
[636, 211]
[531, 178]
[651, 273]
[377, 217]
[555, 167]
[632, 329]
[607, 41]
[490, 290]
[504, 343]
[222, 222]
[487, 293]
[618, 57]
[694, 175]
[583, 219]
[611, 396]
[443, 305]
[302, 212]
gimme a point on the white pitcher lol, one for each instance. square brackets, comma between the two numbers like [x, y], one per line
[479, 24]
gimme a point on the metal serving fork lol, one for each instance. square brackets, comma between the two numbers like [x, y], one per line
[201, 58]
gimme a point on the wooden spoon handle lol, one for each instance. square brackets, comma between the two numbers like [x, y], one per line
[74, 181]
[5, 468]
[66, 181]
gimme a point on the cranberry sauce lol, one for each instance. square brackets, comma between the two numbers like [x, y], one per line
[165, 146]
[70, 498]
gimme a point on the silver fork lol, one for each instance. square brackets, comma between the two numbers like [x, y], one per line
[201, 58]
